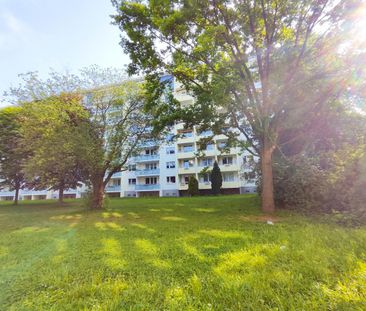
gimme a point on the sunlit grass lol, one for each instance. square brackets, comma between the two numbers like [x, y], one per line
[205, 253]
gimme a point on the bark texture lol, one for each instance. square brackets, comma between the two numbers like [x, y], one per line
[268, 205]
[97, 193]
[16, 198]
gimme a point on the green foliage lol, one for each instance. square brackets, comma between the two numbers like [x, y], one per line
[102, 124]
[216, 179]
[193, 186]
[250, 65]
[51, 131]
[201, 253]
[334, 182]
[324, 171]
[12, 155]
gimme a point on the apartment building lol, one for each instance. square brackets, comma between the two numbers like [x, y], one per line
[164, 168]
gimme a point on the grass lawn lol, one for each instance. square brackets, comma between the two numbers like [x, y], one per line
[205, 253]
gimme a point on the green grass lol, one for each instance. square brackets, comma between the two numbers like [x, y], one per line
[206, 253]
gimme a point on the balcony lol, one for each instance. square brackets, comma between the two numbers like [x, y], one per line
[153, 172]
[147, 158]
[33, 192]
[186, 154]
[147, 187]
[207, 133]
[231, 184]
[149, 144]
[113, 188]
[7, 193]
[187, 170]
[204, 185]
[229, 167]
[183, 186]
[70, 191]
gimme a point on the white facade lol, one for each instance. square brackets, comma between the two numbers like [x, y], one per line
[164, 169]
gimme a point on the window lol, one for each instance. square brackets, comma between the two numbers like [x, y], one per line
[151, 181]
[187, 164]
[170, 164]
[206, 147]
[150, 166]
[186, 180]
[250, 176]
[170, 179]
[206, 162]
[151, 152]
[170, 150]
[188, 148]
[227, 177]
[205, 178]
[132, 167]
[221, 144]
[132, 181]
[227, 160]
[248, 159]
[206, 133]
[187, 134]
[169, 137]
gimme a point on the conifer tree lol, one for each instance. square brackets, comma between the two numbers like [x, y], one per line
[216, 179]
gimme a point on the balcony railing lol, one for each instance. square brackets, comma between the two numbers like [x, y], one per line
[114, 188]
[147, 157]
[147, 172]
[186, 167]
[186, 150]
[70, 191]
[7, 193]
[149, 143]
[148, 187]
[33, 192]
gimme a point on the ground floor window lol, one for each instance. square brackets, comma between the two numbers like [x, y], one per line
[227, 177]
[170, 179]
[206, 178]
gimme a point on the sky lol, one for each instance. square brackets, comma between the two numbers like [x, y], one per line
[36, 35]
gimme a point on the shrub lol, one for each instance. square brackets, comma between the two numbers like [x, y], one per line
[333, 182]
[193, 186]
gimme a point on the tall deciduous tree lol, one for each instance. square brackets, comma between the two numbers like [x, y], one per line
[117, 123]
[119, 127]
[51, 130]
[12, 156]
[262, 61]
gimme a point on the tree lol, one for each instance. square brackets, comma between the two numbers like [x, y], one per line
[193, 186]
[51, 132]
[12, 156]
[261, 61]
[216, 179]
[117, 123]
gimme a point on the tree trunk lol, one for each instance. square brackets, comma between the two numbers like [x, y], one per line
[97, 193]
[268, 205]
[61, 194]
[16, 198]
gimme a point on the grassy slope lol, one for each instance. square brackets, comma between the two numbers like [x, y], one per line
[207, 253]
